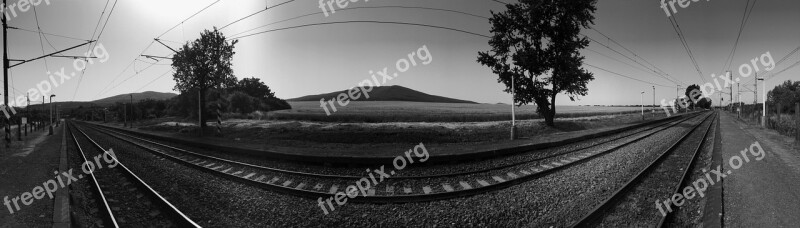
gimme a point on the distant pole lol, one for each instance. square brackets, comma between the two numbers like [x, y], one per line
[728, 73]
[133, 115]
[27, 113]
[641, 102]
[199, 112]
[677, 96]
[51, 114]
[513, 114]
[654, 102]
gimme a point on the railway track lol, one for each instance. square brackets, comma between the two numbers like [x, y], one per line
[634, 199]
[123, 199]
[396, 188]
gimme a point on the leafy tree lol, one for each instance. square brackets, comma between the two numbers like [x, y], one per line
[693, 93]
[704, 102]
[254, 87]
[786, 94]
[241, 102]
[204, 64]
[536, 44]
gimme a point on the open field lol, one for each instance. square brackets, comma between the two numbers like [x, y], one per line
[400, 111]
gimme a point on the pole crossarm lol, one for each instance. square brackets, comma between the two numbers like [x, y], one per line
[51, 54]
[155, 57]
[74, 57]
[170, 48]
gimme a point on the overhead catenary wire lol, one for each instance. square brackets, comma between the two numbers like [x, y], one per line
[629, 77]
[676, 26]
[364, 7]
[745, 17]
[91, 47]
[660, 71]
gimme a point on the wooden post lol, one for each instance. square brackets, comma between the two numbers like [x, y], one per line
[797, 121]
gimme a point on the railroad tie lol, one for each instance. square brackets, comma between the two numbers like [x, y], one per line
[407, 190]
[249, 175]
[547, 167]
[274, 179]
[238, 172]
[333, 189]
[426, 189]
[498, 179]
[259, 179]
[447, 187]
[318, 187]
[300, 186]
[287, 183]
[556, 164]
[465, 185]
[484, 183]
[565, 161]
[512, 175]
[227, 170]
[525, 172]
[390, 189]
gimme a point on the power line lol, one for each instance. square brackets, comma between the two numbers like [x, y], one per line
[674, 21]
[88, 51]
[373, 22]
[190, 17]
[32, 31]
[151, 82]
[636, 55]
[654, 72]
[365, 7]
[257, 12]
[745, 17]
[629, 77]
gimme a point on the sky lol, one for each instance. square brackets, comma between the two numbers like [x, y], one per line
[320, 59]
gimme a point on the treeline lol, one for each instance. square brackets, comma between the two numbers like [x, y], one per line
[785, 95]
[245, 96]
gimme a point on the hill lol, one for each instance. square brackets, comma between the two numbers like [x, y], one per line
[107, 101]
[389, 93]
[136, 97]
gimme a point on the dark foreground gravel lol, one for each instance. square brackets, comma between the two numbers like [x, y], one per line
[556, 199]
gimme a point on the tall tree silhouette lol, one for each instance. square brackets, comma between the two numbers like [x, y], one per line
[537, 44]
[203, 64]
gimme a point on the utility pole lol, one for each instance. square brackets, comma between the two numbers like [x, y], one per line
[677, 96]
[654, 102]
[764, 100]
[133, 116]
[6, 62]
[513, 117]
[731, 89]
[641, 102]
[755, 90]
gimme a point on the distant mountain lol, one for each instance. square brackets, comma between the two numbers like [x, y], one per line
[136, 97]
[106, 101]
[388, 93]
